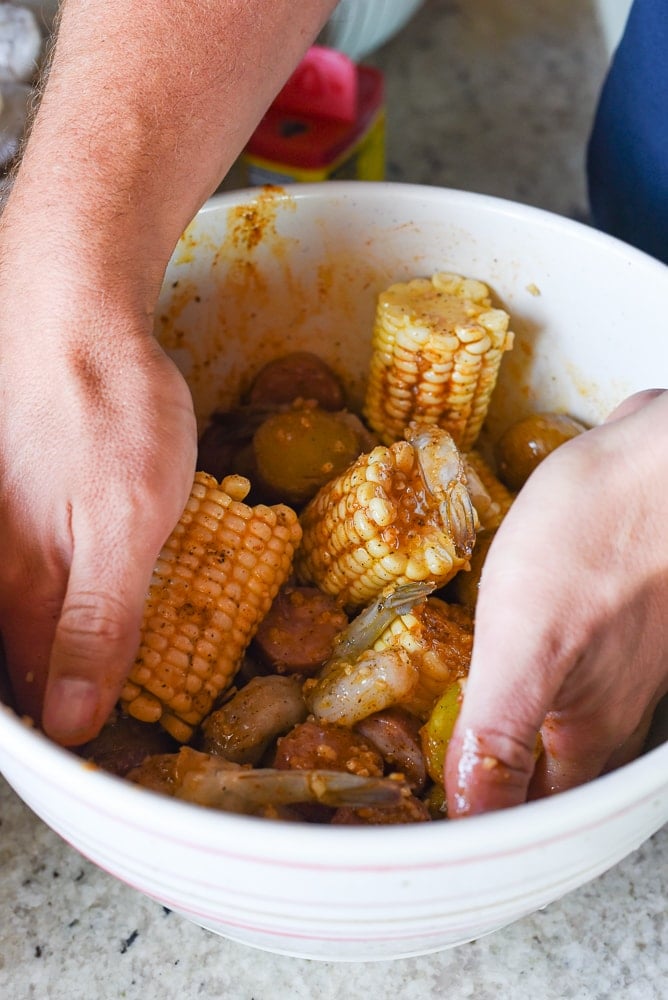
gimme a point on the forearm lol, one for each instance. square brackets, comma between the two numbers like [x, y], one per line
[147, 105]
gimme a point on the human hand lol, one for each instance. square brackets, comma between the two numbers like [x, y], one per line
[97, 437]
[97, 455]
[571, 628]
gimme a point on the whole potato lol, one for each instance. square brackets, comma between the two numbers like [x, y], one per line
[298, 451]
[524, 445]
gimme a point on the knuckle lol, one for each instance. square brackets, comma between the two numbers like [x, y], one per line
[500, 756]
[492, 770]
[92, 619]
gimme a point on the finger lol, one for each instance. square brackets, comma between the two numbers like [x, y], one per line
[30, 602]
[577, 753]
[521, 654]
[491, 756]
[97, 634]
[634, 745]
[634, 403]
[573, 754]
[95, 640]
[487, 768]
[27, 636]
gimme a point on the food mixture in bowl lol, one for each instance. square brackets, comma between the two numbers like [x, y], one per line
[309, 625]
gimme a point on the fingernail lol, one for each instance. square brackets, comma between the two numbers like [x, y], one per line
[70, 707]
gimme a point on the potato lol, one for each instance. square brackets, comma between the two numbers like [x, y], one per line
[298, 451]
[524, 445]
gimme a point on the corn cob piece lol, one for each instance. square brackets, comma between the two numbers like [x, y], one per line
[491, 499]
[213, 583]
[444, 651]
[403, 649]
[398, 514]
[436, 349]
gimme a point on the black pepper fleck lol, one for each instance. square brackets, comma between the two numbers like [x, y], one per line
[129, 941]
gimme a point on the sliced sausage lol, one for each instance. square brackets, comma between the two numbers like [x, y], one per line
[299, 375]
[297, 634]
[124, 743]
[409, 810]
[395, 733]
[215, 451]
[314, 745]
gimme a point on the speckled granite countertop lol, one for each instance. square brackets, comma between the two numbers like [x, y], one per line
[488, 95]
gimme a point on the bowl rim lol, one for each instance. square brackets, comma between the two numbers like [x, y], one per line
[544, 822]
[392, 192]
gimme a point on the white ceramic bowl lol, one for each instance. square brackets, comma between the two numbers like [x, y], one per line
[258, 273]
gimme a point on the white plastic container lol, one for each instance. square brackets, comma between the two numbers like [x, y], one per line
[612, 16]
[358, 27]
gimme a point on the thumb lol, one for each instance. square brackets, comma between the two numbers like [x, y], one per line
[96, 637]
[491, 756]
[519, 651]
[95, 641]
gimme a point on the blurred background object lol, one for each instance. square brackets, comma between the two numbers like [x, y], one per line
[23, 33]
[44, 10]
[612, 15]
[14, 105]
[358, 28]
[327, 123]
[20, 43]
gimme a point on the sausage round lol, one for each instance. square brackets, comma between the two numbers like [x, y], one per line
[297, 634]
[299, 375]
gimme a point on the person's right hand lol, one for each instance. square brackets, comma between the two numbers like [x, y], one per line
[571, 634]
[97, 455]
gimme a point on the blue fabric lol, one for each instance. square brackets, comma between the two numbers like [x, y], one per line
[627, 157]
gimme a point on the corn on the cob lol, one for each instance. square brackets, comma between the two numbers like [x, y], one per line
[491, 499]
[397, 515]
[436, 350]
[213, 583]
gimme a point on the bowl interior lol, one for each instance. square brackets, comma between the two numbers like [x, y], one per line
[261, 273]
[266, 271]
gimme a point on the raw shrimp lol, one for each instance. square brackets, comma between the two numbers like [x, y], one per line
[358, 681]
[403, 649]
[219, 784]
[444, 476]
